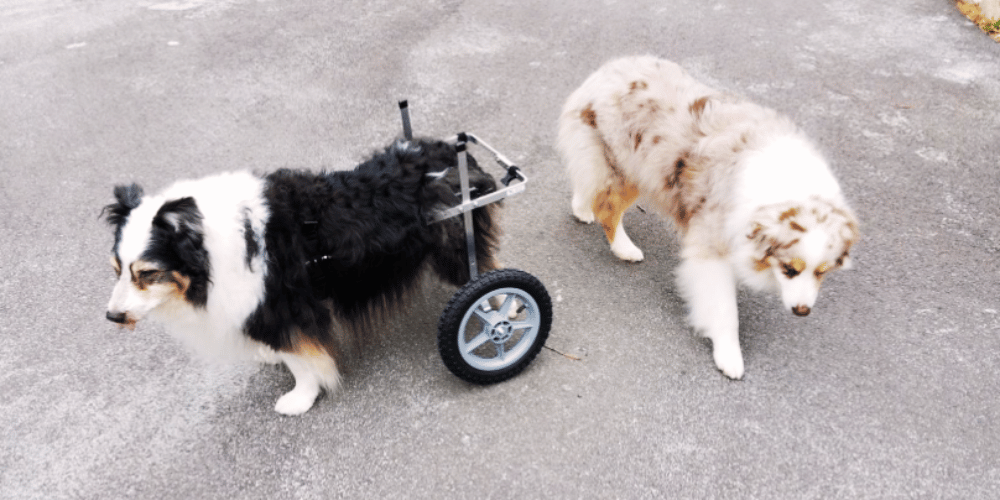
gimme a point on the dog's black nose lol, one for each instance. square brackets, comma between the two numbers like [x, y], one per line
[801, 310]
[116, 317]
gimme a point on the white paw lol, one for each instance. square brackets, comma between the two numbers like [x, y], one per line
[729, 360]
[584, 216]
[296, 402]
[626, 250]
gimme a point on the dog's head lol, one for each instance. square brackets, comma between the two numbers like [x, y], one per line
[801, 243]
[158, 254]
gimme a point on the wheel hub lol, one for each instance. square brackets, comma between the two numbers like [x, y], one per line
[501, 332]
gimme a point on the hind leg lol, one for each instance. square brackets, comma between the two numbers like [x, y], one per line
[313, 370]
[582, 151]
[609, 206]
[582, 202]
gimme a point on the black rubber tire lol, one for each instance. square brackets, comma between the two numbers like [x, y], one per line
[471, 296]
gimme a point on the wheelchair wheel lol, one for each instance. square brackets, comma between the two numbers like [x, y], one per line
[494, 326]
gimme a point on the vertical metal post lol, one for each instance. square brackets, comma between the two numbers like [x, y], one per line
[463, 177]
[404, 109]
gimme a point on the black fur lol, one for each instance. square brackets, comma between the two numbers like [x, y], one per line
[177, 244]
[354, 243]
[127, 198]
[341, 247]
[250, 239]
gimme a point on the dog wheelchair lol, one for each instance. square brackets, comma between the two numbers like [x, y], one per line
[496, 324]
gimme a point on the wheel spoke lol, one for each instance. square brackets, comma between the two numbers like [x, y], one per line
[522, 325]
[505, 308]
[501, 351]
[478, 341]
[485, 316]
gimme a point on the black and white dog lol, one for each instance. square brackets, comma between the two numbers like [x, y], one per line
[293, 266]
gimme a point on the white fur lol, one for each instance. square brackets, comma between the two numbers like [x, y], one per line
[748, 192]
[312, 374]
[217, 330]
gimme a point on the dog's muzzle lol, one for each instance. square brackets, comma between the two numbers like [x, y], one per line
[801, 310]
[120, 318]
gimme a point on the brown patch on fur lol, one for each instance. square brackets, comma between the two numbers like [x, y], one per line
[796, 227]
[589, 116]
[306, 346]
[638, 140]
[757, 228]
[686, 212]
[762, 264]
[657, 139]
[787, 214]
[638, 85]
[609, 158]
[610, 204]
[178, 284]
[822, 269]
[698, 106]
[316, 349]
[788, 245]
[798, 264]
[683, 205]
[181, 282]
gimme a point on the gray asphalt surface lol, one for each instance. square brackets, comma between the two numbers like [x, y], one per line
[888, 390]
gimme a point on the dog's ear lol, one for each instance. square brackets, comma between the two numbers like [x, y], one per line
[772, 228]
[179, 224]
[127, 198]
[181, 219]
[179, 215]
[845, 261]
[764, 241]
[849, 233]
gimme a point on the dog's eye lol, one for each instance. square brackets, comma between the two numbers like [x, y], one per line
[793, 267]
[150, 276]
[789, 271]
[822, 269]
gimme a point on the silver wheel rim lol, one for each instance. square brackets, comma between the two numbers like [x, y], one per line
[495, 336]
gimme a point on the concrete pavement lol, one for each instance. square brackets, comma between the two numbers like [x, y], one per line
[888, 390]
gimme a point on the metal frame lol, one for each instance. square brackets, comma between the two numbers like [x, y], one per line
[469, 204]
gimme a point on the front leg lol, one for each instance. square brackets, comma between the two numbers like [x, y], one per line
[709, 287]
[609, 207]
[313, 371]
